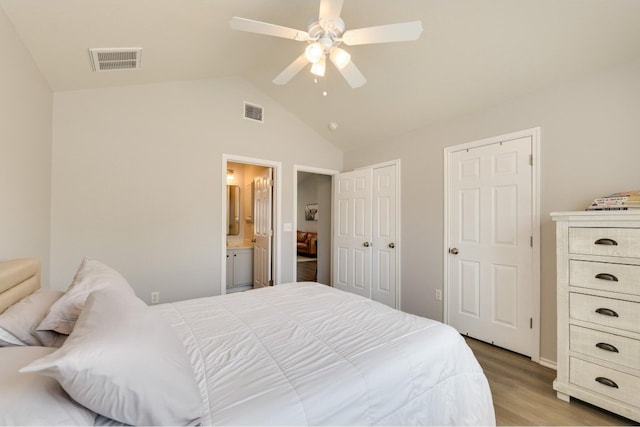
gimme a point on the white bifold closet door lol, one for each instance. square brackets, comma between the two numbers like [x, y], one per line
[365, 233]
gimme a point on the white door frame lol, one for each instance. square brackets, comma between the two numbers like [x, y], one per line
[320, 171]
[534, 133]
[277, 216]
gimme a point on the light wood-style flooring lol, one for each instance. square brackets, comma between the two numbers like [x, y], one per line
[523, 392]
[307, 270]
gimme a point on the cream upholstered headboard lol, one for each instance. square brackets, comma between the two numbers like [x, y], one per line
[18, 279]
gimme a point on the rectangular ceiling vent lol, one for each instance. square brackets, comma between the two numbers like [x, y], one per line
[253, 112]
[111, 59]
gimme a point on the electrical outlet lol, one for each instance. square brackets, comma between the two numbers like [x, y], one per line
[155, 297]
[439, 294]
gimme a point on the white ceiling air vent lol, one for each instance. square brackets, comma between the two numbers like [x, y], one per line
[253, 112]
[118, 58]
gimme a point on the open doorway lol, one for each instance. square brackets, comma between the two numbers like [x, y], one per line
[250, 214]
[313, 225]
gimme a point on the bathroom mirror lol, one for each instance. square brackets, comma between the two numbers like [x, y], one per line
[233, 210]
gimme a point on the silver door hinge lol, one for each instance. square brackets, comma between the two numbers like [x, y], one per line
[531, 159]
[531, 241]
[531, 323]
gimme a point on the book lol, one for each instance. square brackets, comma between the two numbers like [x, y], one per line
[617, 201]
[623, 195]
[614, 208]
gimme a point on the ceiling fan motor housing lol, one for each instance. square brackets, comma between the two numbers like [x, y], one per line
[326, 31]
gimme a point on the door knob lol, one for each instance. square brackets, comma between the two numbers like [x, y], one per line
[366, 244]
[453, 251]
[392, 245]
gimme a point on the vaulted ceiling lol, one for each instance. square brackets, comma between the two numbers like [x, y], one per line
[472, 54]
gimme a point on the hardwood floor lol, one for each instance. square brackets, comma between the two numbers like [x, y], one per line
[306, 271]
[523, 393]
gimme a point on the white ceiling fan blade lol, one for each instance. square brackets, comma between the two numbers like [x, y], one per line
[330, 9]
[405, 31]
[251, 26]
[352, 75]
[293, 69]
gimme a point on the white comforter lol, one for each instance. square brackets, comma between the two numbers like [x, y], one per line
[308, 354]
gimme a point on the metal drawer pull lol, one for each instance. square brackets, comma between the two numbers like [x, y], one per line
[607, 382]
[607, 276]
[607, 312]
[606, 242]
[607, 347]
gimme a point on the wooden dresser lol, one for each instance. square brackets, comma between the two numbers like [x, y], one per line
[598, 288]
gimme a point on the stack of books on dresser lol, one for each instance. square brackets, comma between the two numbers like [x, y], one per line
[622, 201]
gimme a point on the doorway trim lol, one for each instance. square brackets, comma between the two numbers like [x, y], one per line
[309, 169]
[277, 216]
[534, 133]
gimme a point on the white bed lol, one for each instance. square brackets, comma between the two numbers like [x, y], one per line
[308, 354]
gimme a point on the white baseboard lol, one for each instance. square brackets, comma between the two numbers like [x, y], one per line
[548, 363]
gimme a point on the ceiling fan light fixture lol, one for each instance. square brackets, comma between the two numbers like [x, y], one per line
[314, 52]
[318, 68]
[339, 57]
[323, 36]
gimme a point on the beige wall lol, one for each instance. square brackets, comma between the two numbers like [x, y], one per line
[25, 153]
[590, 146]
[137, 179]
[307, 194]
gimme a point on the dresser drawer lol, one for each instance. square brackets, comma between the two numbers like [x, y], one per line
[606, 381]
[609, 347]
[621, 278]
[616, 242]
[605, 311]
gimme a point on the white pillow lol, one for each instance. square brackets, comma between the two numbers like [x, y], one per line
[7, 339]
[31, 399]
[125, 362]
[91, 276]
[50, 338]
[22, 318]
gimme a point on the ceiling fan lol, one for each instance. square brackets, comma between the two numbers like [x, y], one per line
[324, 36]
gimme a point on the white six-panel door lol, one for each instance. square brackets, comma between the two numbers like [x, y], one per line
[490, 292]
[262, 229]
[352, 232]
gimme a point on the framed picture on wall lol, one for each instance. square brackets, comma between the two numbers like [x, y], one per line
[311, 212]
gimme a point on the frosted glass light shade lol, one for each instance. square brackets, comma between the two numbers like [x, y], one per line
[340, 57]
[318, 67]
[314, 52]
